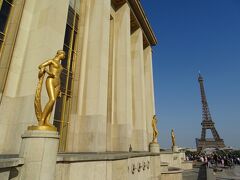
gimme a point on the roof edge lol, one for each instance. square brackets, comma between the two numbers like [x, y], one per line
[143, 20]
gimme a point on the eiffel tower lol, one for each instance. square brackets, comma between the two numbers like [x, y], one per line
[207, 123]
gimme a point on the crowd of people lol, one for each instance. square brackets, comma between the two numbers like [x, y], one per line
[218, 158]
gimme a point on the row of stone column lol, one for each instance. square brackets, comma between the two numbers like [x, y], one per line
[114, 93]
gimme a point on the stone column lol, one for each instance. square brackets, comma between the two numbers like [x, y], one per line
[39, 150]
[122, 83]
[139, 102]
[87, 128]
[149, 90]
[110, 102]
[40, 35]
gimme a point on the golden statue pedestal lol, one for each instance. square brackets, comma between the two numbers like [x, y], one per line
[154, 147]
[42, 128]
[175, 149]
[39, 149]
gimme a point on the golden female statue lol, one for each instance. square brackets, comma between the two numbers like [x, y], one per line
[173, 138]
[155, 130]
[53, 68]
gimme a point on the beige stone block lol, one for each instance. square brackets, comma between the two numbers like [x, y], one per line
[139, 140]
[88, 170]
[27, 18]
[100, 171]
[62, 171]
[17, 114]
[121, 137]
[39, 150]
[73, 134]
[109, 174]
[21, 45]
[31, 170]
[10, 88]
[119, 170]
[3, 134]
[30, 7]
[155, 167]
[5, 113]
[173, 159]
[49, 158]
[172, 176]
[34, 149]
[187, 165]
[13, 137]
[4, 174]
[23, 110]
[90, 138]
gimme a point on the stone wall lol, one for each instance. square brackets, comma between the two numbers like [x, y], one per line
[173, 159]
[127, 166]
[112, 98]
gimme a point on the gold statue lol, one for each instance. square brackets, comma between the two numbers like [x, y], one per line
[173, 138]
[155, 130]
[53, 68]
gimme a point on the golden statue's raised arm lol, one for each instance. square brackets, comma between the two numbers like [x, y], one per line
[53, 68]
[44, 64]
[155, 130]
[42, 68]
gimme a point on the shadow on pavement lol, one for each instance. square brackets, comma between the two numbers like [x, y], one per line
[202, 174]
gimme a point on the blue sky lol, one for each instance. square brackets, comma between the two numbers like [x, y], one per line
[196, 35]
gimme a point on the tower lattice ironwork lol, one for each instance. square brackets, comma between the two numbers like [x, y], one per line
[207, 123]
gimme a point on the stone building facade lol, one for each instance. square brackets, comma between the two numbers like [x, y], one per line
[107, 101]
[107, 84]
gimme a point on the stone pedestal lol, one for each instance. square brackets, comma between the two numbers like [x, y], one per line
[174, 149]
[39, 150]
[154, 147]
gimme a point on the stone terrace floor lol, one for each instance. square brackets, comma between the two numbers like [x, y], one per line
[203, 173]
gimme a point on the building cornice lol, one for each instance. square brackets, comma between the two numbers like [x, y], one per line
[139, 14]
[138, 19]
